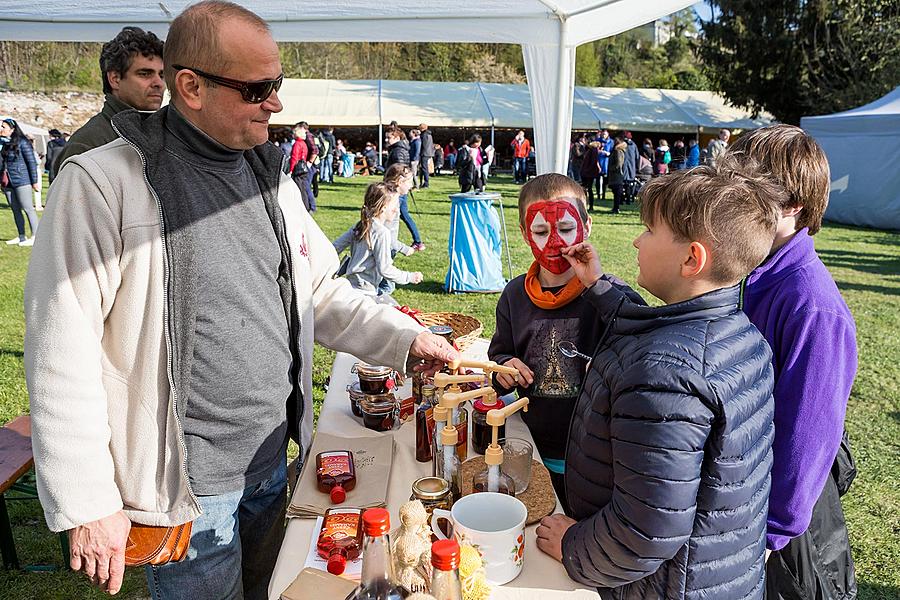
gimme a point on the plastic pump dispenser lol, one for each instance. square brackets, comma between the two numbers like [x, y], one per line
[492, 478]
[488, 366]
[448, 467]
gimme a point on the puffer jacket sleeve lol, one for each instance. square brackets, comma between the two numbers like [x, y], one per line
[30, 161]
[661, 416]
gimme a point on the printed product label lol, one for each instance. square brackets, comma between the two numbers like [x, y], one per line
[341, 524]
[334, 463]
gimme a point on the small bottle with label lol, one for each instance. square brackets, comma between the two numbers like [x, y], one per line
[335, 474]
[341, 537]
[425, 424]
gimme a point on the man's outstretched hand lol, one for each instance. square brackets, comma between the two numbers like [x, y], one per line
[98, 549]
[434, 351]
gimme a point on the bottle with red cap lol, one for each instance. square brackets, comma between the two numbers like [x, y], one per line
[335, 474]
[341, 537]
[445, 584]
[377, 582]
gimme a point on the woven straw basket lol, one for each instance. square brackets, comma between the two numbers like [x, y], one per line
[466, 329]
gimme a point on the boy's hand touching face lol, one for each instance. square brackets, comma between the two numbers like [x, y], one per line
[585, 262]
[550, 534]
[524, 378]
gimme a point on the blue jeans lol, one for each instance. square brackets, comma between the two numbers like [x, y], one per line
[407, 218]
[520, 169]
[326, 169]
[246, 523]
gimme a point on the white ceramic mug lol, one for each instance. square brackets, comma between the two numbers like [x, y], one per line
[495, 525]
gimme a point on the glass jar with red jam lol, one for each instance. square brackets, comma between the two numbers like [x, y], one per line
[335, 474]
[356, 394]
[341, 537]
[374, 379]
[380, 412]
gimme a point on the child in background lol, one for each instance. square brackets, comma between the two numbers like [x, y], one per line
[661, 158]
[542, 308]
[670, 445]
[370, 242]
[795, 303]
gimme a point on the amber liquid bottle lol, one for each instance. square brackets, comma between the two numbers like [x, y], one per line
[425, 425]
[335, 474]
[341, 538]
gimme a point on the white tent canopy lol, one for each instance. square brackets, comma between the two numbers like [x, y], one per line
[446, 104]
[548, 30]
[863, 149]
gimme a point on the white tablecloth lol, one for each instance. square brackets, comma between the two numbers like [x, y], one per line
[541, 578]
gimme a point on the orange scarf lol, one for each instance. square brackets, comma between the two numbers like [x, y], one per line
[549, 300]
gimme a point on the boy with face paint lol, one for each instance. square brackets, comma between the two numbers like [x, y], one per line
[544, 307]
[669, 447]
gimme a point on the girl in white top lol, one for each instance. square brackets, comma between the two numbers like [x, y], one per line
[370, 242]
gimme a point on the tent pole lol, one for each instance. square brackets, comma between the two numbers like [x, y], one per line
[380, 126]
[505, 237]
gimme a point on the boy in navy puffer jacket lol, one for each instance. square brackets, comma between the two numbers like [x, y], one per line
[670, 444]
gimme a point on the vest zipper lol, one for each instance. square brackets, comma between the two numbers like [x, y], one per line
[166, 322]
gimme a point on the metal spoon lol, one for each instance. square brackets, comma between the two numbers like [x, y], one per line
[569, 350]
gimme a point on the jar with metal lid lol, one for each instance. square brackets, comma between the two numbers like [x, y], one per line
[379, 411]
[445, 331]
[356, 394]
[432, 492]
[374, 379]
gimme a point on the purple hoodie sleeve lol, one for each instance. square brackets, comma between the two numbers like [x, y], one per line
[815, 371]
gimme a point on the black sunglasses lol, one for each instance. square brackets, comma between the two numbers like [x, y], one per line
[253, 92]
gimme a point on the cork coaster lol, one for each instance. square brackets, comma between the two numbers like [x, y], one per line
[539, 498]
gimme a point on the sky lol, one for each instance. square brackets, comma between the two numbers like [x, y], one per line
[703, 10]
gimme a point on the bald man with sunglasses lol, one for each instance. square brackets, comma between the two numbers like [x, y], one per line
[174, 292]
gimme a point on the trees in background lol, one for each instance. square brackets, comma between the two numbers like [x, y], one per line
[802, 57]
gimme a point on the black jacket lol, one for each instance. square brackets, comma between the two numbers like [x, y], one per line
[398, 152]
[670, 451]
[93, 134]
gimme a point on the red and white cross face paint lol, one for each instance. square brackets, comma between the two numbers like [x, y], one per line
[551, 226]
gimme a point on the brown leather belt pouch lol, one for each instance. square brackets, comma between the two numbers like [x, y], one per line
[149, 545]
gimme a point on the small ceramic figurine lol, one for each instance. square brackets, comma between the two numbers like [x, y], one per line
[412, 547]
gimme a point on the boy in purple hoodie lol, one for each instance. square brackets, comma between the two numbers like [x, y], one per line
[793, 300]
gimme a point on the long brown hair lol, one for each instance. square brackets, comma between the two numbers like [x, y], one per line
[396, 173]
[377, 197]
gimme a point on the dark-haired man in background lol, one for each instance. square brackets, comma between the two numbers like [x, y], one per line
[131, 66]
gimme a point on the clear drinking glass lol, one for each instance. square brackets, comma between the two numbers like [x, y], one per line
[517, 456]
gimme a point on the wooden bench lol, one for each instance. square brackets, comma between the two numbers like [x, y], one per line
[16, 463]
[16, 459]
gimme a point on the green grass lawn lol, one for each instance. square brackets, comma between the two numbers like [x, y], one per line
[865, 263]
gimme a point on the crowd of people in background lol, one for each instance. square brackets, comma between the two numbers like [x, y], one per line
[601, 161]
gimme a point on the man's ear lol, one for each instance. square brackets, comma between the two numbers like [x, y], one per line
[187, 86]
[696, 261]
[113, 78]
[587, 227]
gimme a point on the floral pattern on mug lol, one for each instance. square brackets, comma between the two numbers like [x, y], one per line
[518, 551]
